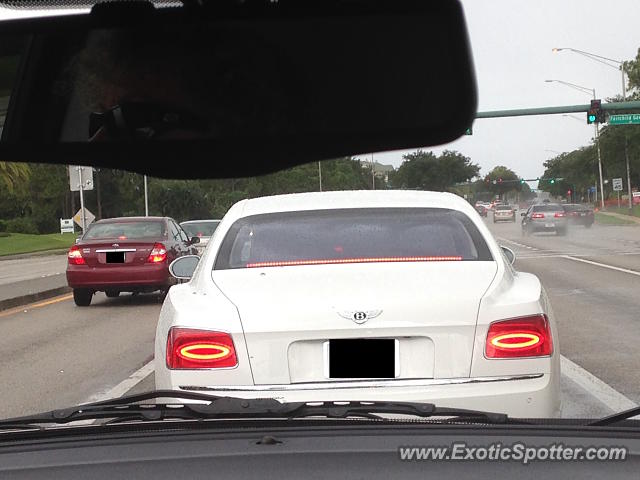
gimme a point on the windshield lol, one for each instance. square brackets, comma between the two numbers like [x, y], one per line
[453, 271]
[125, 230]
[351, 236]
[200, 229]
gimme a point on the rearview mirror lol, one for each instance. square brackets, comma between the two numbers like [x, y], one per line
[194, 240]
[523, 214]
[182, 268]
[511, 256]
[239, 81]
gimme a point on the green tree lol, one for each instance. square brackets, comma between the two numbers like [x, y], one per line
[425, 171]
[12, 175]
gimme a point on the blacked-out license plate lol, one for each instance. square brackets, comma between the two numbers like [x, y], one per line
[362, 358]
[115, 257]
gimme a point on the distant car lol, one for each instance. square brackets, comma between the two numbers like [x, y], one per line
[482, 209]
[546, 217]
[579, 214]
[128, 254]
[504, 213]
[203, 229]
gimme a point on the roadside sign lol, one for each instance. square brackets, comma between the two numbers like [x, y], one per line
[627, 119]
[88, 217]
[74, 178]
[66, 225]
[617, 184]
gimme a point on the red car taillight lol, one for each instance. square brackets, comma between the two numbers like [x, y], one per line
[559, 215]
[519, 337]
[75, 257]
[193, 349]
[537, 215]
[158, 254]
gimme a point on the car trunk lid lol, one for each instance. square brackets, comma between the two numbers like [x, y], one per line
[290, 315]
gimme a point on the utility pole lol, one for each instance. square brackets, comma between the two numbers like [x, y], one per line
[146, 198]
[626, 141]
[320, 175]
[84, 220]
[599, 166]
[373, 175]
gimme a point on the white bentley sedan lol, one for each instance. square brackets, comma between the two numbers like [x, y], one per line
[360, 295]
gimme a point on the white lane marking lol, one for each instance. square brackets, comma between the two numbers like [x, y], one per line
[598, 389]
[603, 265]
[124, 386]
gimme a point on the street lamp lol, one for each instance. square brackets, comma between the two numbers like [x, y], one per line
[591, 91]
[618, 65]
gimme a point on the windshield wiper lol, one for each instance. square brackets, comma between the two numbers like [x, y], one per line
[616, 417]
[129, 408]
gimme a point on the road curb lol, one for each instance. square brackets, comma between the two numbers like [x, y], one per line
[32, 297]
[41, 253]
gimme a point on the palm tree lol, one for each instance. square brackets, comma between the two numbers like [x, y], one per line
[12, 174]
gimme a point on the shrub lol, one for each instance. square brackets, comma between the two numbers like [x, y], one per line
[22, 225]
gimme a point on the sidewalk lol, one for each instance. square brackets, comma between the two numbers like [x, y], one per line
[621, 216]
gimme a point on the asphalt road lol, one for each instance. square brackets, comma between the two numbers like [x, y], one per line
[56, 354]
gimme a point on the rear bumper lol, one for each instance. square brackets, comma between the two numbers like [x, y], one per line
[123, 278]
[519, 396]
[540, 226]
[504, 219]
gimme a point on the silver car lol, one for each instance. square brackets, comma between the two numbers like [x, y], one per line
[200, 228]
[546, 217]
[504, 213]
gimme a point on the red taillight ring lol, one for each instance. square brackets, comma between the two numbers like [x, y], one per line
[532, 340]
[222, 351]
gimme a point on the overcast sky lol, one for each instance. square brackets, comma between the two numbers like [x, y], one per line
[512, 43]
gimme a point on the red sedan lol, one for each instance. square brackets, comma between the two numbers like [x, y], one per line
[129, 254]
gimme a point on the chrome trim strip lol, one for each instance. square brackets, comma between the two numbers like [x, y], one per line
[105, 250]
[340, 385]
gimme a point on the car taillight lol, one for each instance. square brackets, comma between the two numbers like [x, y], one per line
[559, 215]
[75, 257]
[537, 215]
[158, 254]
[192, 349]
[519, 337]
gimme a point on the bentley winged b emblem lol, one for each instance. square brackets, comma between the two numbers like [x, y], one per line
[359, 316]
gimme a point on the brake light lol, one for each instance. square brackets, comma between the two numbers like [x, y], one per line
[193, 349]
[75, 257]
[158, 254]
[537, 215]
[519, 337]
[559, 215]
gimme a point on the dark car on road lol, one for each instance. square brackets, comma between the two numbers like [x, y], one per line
[547, 217]
[578, 214]
[129, 254]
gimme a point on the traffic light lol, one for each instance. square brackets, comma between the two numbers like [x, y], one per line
[500, 180]
[553, 180]
[522, 180]
[569, 192]
[596, 113]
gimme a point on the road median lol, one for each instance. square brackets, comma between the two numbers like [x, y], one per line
[29, 291]
[612, 218]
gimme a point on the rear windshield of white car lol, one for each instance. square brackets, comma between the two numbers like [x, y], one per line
[503, 207]
[320, 237]
[200, 229]
[126, 230]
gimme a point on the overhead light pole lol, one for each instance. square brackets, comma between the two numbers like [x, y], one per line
[618, 65]
[590, 91]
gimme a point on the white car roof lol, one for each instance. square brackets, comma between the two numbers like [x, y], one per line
[353, 199]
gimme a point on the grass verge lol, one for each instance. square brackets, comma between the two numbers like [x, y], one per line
[604, 219]
[23, 243]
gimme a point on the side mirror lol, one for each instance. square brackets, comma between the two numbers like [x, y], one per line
[511, 256]
[194, 240]
[523, 214]
[182, 268]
